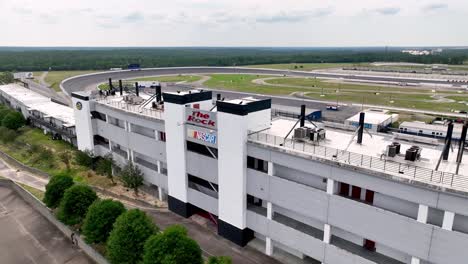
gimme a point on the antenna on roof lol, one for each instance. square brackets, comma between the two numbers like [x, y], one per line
[461, 146]
[448, 143]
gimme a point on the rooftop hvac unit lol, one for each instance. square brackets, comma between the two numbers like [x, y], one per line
[397, 146]
[300, 133]
[391, 151]
[317, 134]
[413, 153]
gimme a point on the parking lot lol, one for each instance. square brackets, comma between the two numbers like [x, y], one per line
[28, 237]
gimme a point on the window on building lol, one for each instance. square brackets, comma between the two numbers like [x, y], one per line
[257, 164]
[99, 140]
[98, 115]
[202, 149]
[162, 136]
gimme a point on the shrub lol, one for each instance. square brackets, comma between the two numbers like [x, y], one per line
[66, 157]
[100, 219]
[127, 239]
[7, 135]
[131, 177]
[84, 158]
[75, 203]
[219, 260]
[4, 112]
[13, 120]
[56, 188]
[104, 166]
[172, 246]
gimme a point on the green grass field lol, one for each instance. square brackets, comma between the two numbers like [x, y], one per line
[306, 66]
[54, 78]
[20, 150]
[349, 93]
[168, 78]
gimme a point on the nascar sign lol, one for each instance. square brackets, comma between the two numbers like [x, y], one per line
[202, 136]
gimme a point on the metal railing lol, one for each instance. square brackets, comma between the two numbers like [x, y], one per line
[130, 107]
[404, 170]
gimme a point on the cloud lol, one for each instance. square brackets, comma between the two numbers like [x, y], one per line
[435, 7]
[134, 17]
[48, 18]
[293, 16]
[22, 10]
[388, 11]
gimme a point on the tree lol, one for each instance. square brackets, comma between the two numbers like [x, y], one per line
[4, 112]
[6, 78]
[173, 246]
[104, 166]
[100, 219]
[127, 239]
[7, 135]
[66, 157]
[132, 177]
[55, 189]
[75, 203]
[13, 120]
[219, 260]
[85, 158]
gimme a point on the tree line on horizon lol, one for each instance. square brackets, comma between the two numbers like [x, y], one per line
[104, 59]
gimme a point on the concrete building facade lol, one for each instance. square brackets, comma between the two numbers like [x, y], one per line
[326, 202]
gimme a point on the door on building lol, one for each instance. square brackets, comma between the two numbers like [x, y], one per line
[369, 245]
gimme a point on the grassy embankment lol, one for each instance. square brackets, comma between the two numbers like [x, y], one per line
[54, 78]
[25, 149]
[307, 66]
[343, 92]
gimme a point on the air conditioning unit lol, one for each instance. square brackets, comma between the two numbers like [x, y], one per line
[391, 151]
[413, 153]
[300, 133]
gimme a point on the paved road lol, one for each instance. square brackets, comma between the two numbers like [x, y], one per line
[29, 238]
[80, 82]
[210, 242]
[22, 177]
[89, 82]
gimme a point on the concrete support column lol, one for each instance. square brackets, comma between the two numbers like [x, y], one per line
[271, 169]
[82, 108]
[449, 217]
[269, 242]
[110, 145]
[130, 155]
[331, 186]
[423, 212]
[326, 233]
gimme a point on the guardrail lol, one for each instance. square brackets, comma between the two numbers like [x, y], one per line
[404, 170]
[130, 107]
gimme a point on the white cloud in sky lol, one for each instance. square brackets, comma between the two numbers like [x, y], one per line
[233, 23]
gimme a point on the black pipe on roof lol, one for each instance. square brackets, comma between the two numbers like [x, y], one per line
[158, 93]
[121, 87]
[137, 92]
[448, 141]
[110, 84]
[303, 111]
[361, 127]
[461, 144]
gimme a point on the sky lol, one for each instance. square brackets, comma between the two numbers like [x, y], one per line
[301, 23]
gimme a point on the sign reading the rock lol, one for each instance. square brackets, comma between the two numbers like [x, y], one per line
[201, 118]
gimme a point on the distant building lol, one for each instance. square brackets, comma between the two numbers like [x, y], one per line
[430, 130]
[376, 119]
[52, 117]
[23, 75]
